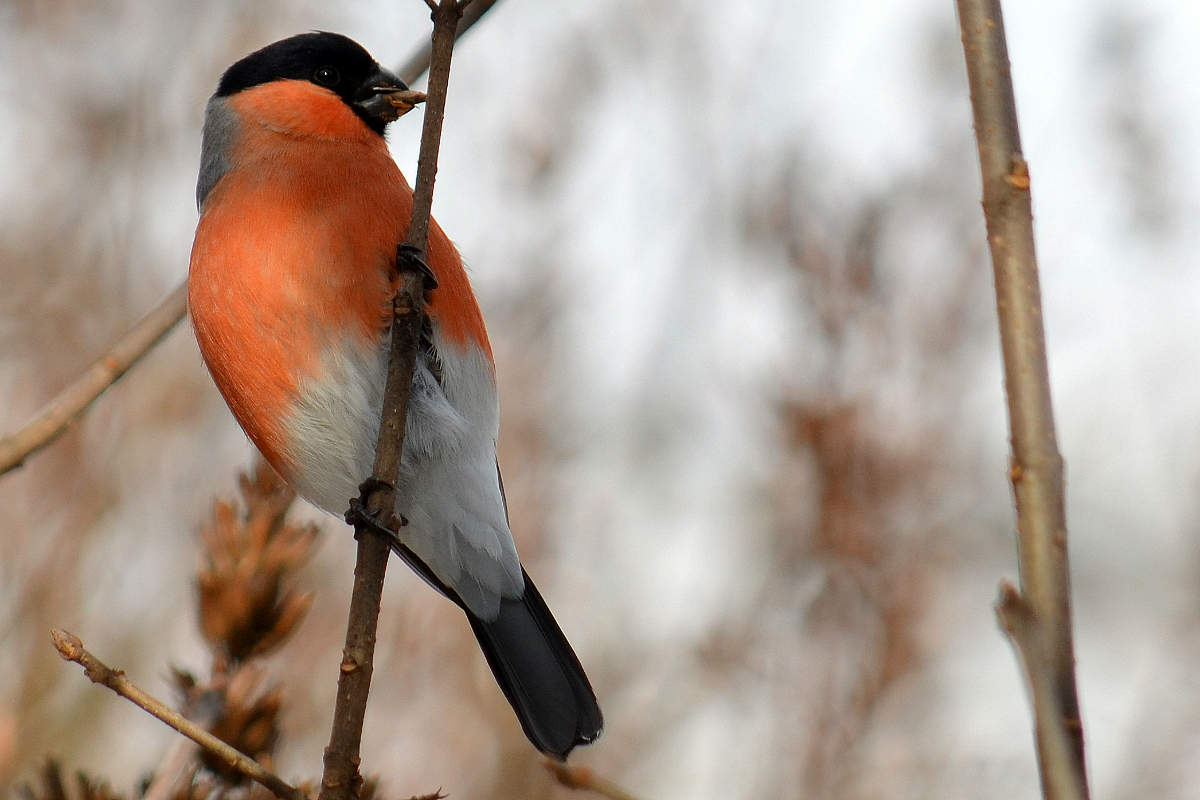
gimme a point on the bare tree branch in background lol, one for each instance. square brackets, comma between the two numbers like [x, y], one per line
[71, 648]
[248, 608]
[341, 779]
[1038, 619]
[74, 400]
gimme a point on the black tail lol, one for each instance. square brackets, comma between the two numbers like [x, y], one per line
[539, 674]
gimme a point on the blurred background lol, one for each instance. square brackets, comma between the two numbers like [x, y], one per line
[754, 441]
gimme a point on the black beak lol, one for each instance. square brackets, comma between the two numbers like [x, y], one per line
[385, 98]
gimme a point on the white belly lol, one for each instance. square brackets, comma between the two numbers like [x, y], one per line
[449, 488]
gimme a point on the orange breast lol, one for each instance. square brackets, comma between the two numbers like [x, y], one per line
[295, 254]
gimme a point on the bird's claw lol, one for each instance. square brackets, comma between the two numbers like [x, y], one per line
[411, 259]
[362, 517]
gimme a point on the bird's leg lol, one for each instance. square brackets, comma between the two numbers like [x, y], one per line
[362, 517]
[411, 259]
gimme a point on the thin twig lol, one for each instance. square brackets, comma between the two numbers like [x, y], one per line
[1038, 620]
[71, 648]
[74, 400]
[446, 15]
[1057, 755]
[418, 60]
[584, 779]
[59, 413]
[341, 778]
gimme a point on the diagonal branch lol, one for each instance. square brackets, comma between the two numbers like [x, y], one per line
[77, 397]
[1038, 619]
[71, 648]
[54, 418]
[341, 779]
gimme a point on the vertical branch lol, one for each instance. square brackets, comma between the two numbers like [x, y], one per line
[419, 60]
[1038, 619]
[445, 22]
[341, 779]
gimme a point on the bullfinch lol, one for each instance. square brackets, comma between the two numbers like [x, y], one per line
[292, 276]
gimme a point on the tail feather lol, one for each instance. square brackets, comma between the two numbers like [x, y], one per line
[539, 674]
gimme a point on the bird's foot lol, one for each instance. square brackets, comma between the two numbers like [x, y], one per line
[411, 259]
[360, 515]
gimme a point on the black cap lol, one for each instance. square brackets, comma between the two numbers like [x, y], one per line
[329, 60]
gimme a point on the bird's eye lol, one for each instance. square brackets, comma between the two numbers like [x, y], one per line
[326, 76]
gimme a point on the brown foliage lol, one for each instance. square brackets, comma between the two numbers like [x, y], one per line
[246, 606]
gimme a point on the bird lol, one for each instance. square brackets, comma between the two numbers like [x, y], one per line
[291, 280]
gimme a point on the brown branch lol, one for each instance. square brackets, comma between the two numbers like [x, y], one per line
[71, 648]
[586, 780]
[74, 400]
[1058, 758]
[446, 15]
[1038, 620]
[418, 61]
[341, 779]
[65, 408]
